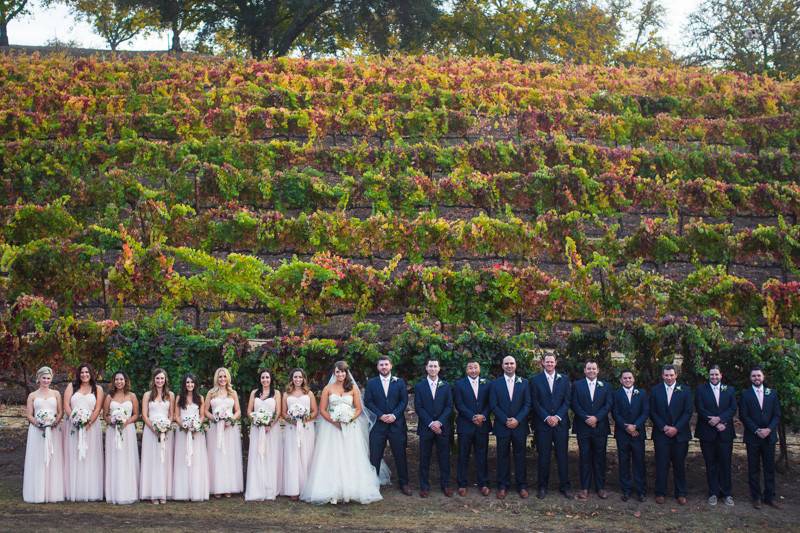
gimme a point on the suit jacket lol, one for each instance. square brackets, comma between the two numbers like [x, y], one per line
[544, 403]
[469, 406]
[431, 409]
[706, 406]
[754, 417]
[393, 403]
[504, 407]
[677, 414]
[634, 412]
[583, 406]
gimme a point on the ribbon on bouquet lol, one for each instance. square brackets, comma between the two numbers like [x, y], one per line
[162, 443]
[189, 448]
[118, 437]
[221, 434]
[262, 442]
[83, 446]
[48, 445]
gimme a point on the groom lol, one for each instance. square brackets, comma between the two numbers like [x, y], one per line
[386, 396]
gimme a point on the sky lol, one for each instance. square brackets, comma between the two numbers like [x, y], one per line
[45, 24]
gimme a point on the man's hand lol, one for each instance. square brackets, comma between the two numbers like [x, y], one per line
[713, 421]
[478, 420]
[670, 431]
[436, 427]
[763, 432]
[721, 427]
[387, 418]
[552, 421]
[631, 429]
[591, 421]
[511, 423]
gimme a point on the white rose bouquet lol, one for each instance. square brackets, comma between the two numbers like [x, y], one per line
[262, 417]
[343, 413]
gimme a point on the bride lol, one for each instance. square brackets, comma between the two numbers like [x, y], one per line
[340, 470]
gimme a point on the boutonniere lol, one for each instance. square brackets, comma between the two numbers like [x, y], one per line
[482, 381]
[600, 383]
[767, 392]
[635, 392]
[558, 376]
[518, 380]
[723, 387]
[678, 388]
[394, 379]
[439, 383]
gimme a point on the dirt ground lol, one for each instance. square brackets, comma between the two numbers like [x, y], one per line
[402, 513]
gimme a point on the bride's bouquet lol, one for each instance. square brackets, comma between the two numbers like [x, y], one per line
[262, 417]
[80, 419]
[118, 417]
[297, 413]
[343, 413]
[45, 420]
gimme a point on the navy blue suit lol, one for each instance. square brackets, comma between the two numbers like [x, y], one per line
[393, 403]
[717, 446]
[544, 404]
[671, 450]
[760, 452]
[430, 409]
[592, 441]
[471, 436]
[630, 448]
[516, 407]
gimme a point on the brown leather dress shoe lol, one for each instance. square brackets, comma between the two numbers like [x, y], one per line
[602, 494]
[774, 505]
[757, 504]
[523, 493]
[681, 500]
[462, 491]
[501, 494]
[424, 493]
[405, 489]
[659, 499]
[485, 491]
[582, 495]
[448, 492]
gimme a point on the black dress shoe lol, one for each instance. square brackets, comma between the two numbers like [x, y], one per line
[641, 498]
[541, 493]
[625, 497]
[568, 494]
[757, 504]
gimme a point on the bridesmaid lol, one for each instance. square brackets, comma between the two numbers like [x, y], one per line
[265, 459]
[298, 443]
[84, 446]
[224, 441]
[43, 481]
[122, 448]
[190, 474]
[157, 450]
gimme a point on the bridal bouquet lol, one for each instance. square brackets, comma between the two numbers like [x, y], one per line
[343, 413]
[118, 418]
[80, 419]
[297, 413]
[45, 420]
[262, 417]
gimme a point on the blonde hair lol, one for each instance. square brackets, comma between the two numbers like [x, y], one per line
[215, 390]
[43, 371]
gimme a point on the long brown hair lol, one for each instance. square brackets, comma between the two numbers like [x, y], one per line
[112, 389]
[260, 389]
[197, 398]
[290, 387]
[348, 381]
[76, 383]
[154, 390]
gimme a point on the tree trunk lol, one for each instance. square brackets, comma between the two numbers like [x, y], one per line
[176, 38]
[3, 34]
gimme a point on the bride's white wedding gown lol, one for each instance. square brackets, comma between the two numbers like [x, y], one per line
[340, 470]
